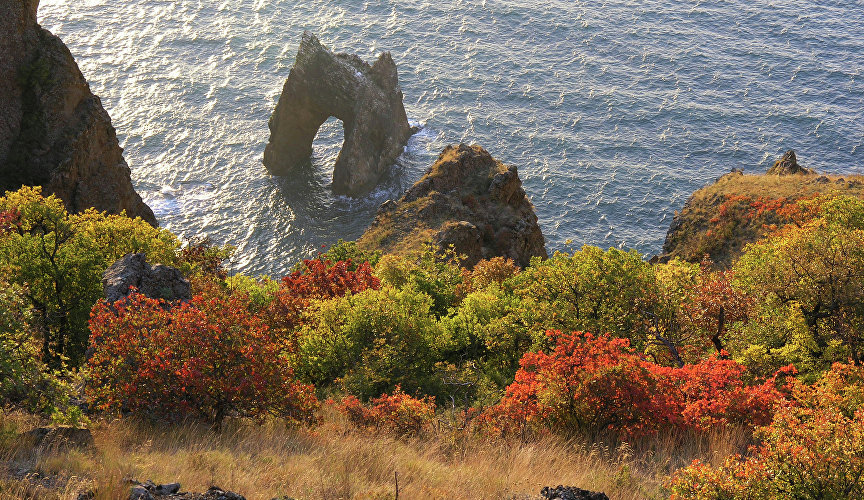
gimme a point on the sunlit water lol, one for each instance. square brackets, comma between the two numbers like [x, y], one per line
[612, 111]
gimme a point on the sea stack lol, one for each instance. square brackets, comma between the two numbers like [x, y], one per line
[54, 132]
[366, 98]
[467, 199]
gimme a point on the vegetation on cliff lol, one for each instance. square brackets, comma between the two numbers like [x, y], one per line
[598, 347]
[719, 220]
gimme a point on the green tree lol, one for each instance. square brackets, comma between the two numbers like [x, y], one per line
[58, 258]
[816, 272]
[370, 342]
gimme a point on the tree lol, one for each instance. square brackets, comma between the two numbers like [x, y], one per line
[818, 269]
[59, 258]
[368, 343]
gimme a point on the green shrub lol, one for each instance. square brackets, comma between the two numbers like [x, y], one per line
[367, 344]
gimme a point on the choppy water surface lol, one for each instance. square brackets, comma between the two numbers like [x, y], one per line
[613, 111]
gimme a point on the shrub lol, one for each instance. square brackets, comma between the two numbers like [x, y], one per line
[318, 280]
[592, 290]
[594, 384]
[25, 381]
[60, 257]
[811, 450]
[396, 413]
[436, 273]
[207, 359]
[368, 343]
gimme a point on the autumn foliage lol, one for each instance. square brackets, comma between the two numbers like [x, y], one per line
[396, 413]
[207, 359]
[813, 449]
[595, 384]
[317, 279]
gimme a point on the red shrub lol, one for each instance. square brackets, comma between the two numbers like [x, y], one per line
[323, 279]
[318, 280]
[206, 359]
[597, 384]
[9, 220]
[398, 413]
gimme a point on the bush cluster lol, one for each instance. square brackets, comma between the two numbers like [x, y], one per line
[773, 344]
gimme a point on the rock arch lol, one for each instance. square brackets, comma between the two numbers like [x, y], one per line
[367, 100]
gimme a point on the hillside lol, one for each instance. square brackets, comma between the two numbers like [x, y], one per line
[721, 218]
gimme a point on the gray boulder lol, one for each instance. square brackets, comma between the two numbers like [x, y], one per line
[156, 282]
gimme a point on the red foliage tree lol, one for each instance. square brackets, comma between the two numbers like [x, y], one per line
[9, 220]
[206, 359]
[596, 384]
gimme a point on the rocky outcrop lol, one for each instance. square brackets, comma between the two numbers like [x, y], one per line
[720, 219]
[467, 199]
[54, 132]
[788, 165]
[156, 282]
[366, 98]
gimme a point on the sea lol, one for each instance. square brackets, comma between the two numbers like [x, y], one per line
[612, 111]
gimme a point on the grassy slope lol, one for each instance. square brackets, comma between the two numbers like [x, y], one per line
[691, 240]
[333, 460]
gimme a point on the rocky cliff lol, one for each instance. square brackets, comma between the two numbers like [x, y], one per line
[720, 219]
[53, 131]
[366, 98]
[467, 199]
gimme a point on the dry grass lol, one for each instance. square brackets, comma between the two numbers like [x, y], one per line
[689, 238]
[334, 461]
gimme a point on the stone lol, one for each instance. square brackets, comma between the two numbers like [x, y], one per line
[467, 199]
[788, 165]
[156, 282]
[366, 98]
[60, 438]
[139, 493]
[570, 493]
[54, 132]
[167, 489]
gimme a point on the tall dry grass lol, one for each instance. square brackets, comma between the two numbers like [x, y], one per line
[333, 461]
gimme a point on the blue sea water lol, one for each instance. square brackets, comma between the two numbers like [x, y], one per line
[613, 111]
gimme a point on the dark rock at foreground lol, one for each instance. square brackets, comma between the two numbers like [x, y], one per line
[570, 493]
[150, 491]
[366, 98]
[467, 199]
[157, 282]
[54, 132]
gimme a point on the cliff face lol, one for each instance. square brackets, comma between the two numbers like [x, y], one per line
[467, 199]
[53, 131]
[366, 98]
[719, 220]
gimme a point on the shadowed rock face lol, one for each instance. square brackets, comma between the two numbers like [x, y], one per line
[788, 165]
[54, 132]
[468, 200]
[366, 98]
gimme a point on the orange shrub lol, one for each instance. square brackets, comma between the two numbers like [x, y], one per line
[596, 384]
[397, 413]
[812, 449]
[206, 359]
